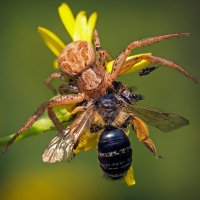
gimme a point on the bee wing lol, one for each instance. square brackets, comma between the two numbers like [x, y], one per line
[61, 146]
[162, 120]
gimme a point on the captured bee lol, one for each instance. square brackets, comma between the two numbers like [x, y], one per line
[86, 65]
[105, 121]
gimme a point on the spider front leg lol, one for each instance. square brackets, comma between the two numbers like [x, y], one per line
[66, 88]
[154, 60]
[49, 80]
[60, 76]
[102, 56]
[119, 62]
[59, 101]
[142, 133]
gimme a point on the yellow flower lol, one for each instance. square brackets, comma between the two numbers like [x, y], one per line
[79, 28]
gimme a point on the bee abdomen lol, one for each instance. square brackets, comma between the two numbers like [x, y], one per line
[114, 153]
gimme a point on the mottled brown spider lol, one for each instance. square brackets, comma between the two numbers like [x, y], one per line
[87, 66]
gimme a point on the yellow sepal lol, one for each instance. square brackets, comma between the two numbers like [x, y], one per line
[129, 177]
[67, 18]
[52, 41]
[139, 66]
[86, 142]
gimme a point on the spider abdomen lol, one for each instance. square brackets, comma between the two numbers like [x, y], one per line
[114, 153]
[76, 57]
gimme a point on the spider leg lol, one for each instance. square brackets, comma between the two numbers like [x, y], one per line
[55, 120]
[50, 78]
[155, 60]
[119, 62]
[96, 40]
[102, 56]
[65, 88]
[142, 133]
[105, 58]
[59, 101]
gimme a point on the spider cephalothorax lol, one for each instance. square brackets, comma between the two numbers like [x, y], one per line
[86, 65]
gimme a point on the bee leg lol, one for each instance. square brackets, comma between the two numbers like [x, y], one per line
[77, 110]
[120, 60]
[142, 133]
[52, 76]
[151, 146]
[102, 56]
[59, 101]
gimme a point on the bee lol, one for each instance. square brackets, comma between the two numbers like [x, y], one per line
[108, 119]
[86, 65]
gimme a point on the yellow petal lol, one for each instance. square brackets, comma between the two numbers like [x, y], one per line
[91, 26]
[52, 41]
[83, 28]
[87, 142]
[129, 177]
[80, 26]
[139, 66]
[67, 18]
[55, 64]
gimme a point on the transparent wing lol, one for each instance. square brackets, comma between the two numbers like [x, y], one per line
[61, 146]
[164, 121]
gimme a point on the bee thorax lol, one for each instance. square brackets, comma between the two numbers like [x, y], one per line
[107, 107]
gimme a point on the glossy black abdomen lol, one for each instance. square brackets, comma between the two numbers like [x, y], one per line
[114, 153]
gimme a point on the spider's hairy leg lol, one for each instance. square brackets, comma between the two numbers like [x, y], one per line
[119, 62]
[142, 133]
[96, 40]
[59, 101]
[106, 57]
[102, 56]
[55, 120]
[155, 60]
[66, 88]
[50, 78]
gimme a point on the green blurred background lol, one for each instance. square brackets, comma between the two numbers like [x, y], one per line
[25, 62]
